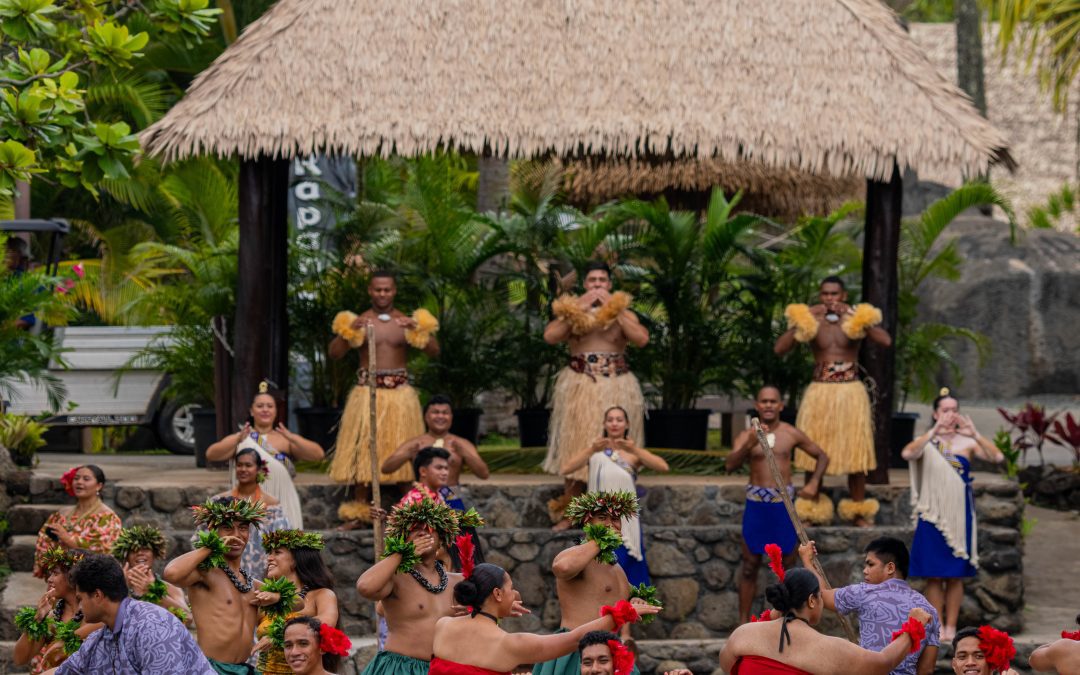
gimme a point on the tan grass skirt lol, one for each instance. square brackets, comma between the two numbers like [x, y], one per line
[398, 418]
[577, 417]
[836, 416]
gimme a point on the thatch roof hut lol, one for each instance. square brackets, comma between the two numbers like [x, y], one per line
[833, 88]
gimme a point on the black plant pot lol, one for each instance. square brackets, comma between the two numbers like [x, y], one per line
[23, 460]
[533, 426]
[204, 420]
[318, 424]
[686, 429]
[901, 433]
[467, 424]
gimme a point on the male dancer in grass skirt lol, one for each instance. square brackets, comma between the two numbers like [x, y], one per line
[587, 577]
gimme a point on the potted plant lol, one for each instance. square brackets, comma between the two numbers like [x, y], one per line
[22, 436]
[685, 272]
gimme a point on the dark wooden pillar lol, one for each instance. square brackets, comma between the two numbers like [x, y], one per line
[882, 241]
[261, 345]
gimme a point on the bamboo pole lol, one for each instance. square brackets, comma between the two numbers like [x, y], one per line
[376, 495]
[778, 478]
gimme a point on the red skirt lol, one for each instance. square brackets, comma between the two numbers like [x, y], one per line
[759, 665]
[443, 667]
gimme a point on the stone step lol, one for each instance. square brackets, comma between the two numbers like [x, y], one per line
[28, 518]
[20, 552]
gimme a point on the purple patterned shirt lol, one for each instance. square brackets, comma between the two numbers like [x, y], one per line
[882, 609]
[145, 640]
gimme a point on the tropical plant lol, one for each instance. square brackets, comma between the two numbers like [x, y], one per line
[21, 435]
[1046, 31]
[67, 71]
[1058, 206]
[1034, 426]
[1068, 435]
[1004, 443]
[780, 271]
[687, 276]
[922, 348]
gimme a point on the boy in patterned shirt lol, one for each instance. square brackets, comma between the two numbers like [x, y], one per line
[883, 602]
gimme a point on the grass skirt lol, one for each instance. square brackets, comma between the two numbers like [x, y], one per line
[398, 418]
[836, 416]
[577, 418]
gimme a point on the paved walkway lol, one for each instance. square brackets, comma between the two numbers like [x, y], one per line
[1051, 568]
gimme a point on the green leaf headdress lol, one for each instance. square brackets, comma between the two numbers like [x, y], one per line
[292, 539]
[444, 520]
[58, 556]
[138, 537]
[617, 504]
[227, 511]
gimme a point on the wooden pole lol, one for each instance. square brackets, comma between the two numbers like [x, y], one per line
[778, 478]
[376, 495]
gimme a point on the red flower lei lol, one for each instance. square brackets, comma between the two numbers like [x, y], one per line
[68, 480]
[621, 658]
[915, 629]
[776, 560]
[998, 647]
[1075, 635]
[333, 641]
[622, 612]
[765, 616]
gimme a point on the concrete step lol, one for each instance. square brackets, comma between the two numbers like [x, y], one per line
[28, 518]
[20, 552]
[22, 589]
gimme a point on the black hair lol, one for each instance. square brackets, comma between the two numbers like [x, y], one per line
[770, 385]
[596, 637]
[259, 461]
[948, 394]
[330, 662]
[426, 456]
[438, 399]
[833, 279]
[99, 572]
[791, 593]
[474, 591]
[970, 631]
[311, 569]
[594, 265]
[384, 274]
[891, 550]
[311, 622]
[626, 431]
[99, 475]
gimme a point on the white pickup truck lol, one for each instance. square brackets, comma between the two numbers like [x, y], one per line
[93, 354]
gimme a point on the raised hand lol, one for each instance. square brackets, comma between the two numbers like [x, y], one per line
[424, 543]
[262, 644]
[965, 427]
[920, 615]
[264, 598]
[807, 552]
[406, 322]
[45, 604]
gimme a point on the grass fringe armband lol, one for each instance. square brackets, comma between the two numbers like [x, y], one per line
[276, 632]
[863, 316]
[606, 538]
[286, 589]
[154, 592]
[179, 614]
[65, 633]
[343, 328]
[799, 317]
[209, 539]
[28, 624]
[649, 595]
[426, 326]
[409, 559]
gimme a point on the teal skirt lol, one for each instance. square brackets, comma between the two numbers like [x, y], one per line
[392, 663]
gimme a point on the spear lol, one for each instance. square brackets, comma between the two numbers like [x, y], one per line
[778, 478]
[376, 495]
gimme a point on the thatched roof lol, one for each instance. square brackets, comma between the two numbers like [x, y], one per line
[830, 86]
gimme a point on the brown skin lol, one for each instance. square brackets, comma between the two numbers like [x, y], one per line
[615, 427]
[391, 349]
[411, 611]
[225, 618]
[1061, 656]
[456, 638]
[58, 587]
[438, 419]
[264, 411]
[302, 651]
[959, 433]
[969, 659]
[810, 650]
[584, 585]
[139, 573]
[768, 406]
[87, 491]
[832, 345]
[596, 660]
[320, 603]
[875, 571]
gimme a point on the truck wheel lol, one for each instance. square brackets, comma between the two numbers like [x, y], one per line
[176, 427]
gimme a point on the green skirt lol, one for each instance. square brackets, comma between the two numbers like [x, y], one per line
[223, 668]
[392, 663]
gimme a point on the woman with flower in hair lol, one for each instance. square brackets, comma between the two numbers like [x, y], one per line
[292, 555]
[251, 471]
[944, 550]
[312, 647]
[139, 548]
[276, 445]
[53, 630]
[89, 525]
[490, 595]
[788, 644]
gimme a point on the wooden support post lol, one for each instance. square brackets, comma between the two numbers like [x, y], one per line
[879, 280]
[261, 328]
